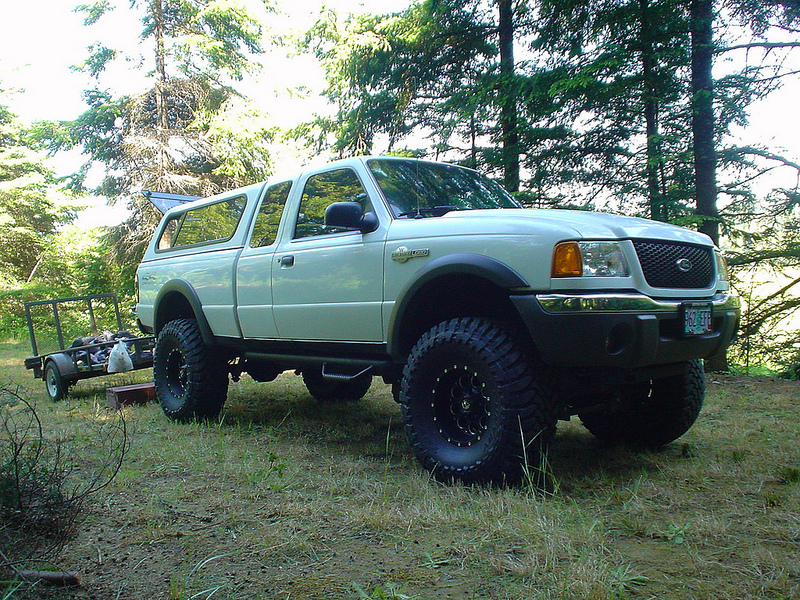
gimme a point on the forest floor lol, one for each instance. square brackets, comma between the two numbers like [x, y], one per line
[285, 498]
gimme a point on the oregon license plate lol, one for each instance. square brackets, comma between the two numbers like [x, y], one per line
[697, 318]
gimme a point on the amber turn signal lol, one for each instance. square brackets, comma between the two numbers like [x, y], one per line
[567, 260]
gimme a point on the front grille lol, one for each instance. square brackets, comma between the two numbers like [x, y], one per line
[660, 262]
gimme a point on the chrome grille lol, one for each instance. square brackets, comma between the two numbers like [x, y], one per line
[675, 265]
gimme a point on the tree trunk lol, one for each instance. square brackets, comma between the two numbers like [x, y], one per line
[473, 145]
[508, 101]
[705, 158]
[161, 71]
[650, 100]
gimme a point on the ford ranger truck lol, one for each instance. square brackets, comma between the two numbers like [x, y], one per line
[490, 321]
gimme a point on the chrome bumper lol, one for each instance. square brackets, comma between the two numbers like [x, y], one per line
[594, 303]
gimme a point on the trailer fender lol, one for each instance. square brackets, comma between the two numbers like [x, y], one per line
[65, 364]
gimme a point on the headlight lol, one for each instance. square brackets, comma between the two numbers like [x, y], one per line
[722, 267]
[589, 259]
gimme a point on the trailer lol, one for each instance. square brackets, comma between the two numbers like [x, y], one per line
[78, 359]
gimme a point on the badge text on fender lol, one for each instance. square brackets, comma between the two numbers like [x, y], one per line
[403, 254]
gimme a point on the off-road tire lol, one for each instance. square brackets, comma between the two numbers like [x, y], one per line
[654, 413]
[190, 383]
[476, 408]
[56, 386]
[327, 390]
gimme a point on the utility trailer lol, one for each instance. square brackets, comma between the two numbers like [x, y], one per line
[76, 360]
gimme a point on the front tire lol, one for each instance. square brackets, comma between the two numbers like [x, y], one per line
[654, 413]
[190, 383]
[474, 406]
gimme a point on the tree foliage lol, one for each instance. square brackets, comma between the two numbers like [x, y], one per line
[425, 70]
[188, 131]
[42, 254]
[602, 103]
[31, 204]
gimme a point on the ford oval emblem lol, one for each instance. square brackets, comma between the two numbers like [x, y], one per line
[684, 265]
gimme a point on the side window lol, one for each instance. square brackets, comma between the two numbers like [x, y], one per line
[213, 222]
[322, 190]
[168, 235]
[269, 214]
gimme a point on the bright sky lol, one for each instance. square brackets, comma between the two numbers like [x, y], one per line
[42, 39]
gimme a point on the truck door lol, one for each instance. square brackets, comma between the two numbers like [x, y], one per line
[327, 281]
[254, 269]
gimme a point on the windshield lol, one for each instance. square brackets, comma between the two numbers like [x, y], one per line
[417, 189]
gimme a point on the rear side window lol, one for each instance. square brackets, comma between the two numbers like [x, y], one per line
[211, 223]
[269, 214]
[168, 235]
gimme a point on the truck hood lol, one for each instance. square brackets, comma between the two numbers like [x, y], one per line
[578, 224]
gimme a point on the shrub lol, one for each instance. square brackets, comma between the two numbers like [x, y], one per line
[45, 480]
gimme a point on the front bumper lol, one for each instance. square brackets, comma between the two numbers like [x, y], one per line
[621, 330]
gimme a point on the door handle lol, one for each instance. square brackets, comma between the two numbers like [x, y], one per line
[286, 261]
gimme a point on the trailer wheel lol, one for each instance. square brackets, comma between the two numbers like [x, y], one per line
[191, 383]
[56, 386]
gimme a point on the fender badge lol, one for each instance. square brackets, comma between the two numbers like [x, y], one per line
[403, 254]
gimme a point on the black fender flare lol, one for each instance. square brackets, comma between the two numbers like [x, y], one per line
[462, 263]
[183, 288]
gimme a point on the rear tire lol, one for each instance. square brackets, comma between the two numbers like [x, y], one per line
[330, 390]
[654, 413]
[190, 383]
[475, 408]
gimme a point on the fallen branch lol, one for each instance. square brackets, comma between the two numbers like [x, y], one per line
[59, 578]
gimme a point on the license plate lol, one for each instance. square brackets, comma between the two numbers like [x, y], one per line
[697, 318]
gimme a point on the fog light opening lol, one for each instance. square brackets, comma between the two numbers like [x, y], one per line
[618, 340]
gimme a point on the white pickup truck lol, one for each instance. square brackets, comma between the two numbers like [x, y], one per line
[490, 321]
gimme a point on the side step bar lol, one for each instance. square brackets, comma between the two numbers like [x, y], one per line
[342, 376]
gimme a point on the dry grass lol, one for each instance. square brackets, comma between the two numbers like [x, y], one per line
[288, 499]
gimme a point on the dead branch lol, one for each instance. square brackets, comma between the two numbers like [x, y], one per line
[57, 578]
[764, 45]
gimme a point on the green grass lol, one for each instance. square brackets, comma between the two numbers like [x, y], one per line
[286, 498]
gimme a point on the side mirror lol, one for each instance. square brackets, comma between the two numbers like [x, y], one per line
[350, 215]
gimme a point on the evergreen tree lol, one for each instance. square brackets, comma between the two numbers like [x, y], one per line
[436, 69]
[189, 132]
[31, 205]
[601, 103]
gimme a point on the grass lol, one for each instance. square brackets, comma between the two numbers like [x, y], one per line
[285, 498]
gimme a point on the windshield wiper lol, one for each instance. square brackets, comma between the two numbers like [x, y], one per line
[430, 211]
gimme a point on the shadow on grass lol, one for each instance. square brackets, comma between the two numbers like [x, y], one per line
[372, 428]
[367, 427]
[578, 460]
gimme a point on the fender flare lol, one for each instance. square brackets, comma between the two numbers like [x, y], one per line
[183, 288]
[65, 364]
[462, 263]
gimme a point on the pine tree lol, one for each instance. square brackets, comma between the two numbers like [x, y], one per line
[31, 205]
[189, 131]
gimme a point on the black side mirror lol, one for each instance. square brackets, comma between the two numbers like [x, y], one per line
[350, 215]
